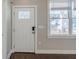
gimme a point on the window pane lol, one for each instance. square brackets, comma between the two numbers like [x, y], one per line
[23, 14]
[74, 21]
[74, 14]
[59, 14]
[58, 21]
[54, 14]
[74, 26]
[58, 26]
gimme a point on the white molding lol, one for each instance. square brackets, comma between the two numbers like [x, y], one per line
[36, 29]
[9, 54]
[55, 52]
[48, 52]
[28, 6]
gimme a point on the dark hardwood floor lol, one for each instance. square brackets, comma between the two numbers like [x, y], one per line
[19, 55]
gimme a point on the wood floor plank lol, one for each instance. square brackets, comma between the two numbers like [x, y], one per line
[42, 56]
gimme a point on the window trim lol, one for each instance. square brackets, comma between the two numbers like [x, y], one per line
[70, 35]
[63, 36]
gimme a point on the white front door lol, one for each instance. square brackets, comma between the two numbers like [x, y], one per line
[23, 29]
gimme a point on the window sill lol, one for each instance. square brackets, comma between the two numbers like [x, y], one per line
[62, 36]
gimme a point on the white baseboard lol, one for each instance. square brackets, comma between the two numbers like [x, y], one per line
[9, 54]
[55, 52]
[48, 52]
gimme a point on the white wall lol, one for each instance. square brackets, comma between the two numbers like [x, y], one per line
[43, 42]
[6, 40]
[9, 43]
[4, 34]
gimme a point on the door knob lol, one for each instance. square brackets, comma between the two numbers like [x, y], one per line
[33, 29]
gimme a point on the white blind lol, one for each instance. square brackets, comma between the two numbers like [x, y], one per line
[61, 3]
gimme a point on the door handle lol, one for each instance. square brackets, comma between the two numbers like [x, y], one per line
[33, 29]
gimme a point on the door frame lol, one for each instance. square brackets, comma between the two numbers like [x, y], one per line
[13, 24]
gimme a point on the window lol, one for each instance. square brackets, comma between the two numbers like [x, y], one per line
[23, 14]
[59, 21]
[60, 17]
[74, 21]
